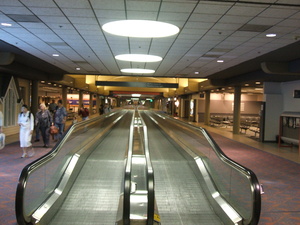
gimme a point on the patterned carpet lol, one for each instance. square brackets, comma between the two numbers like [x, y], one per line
[280, 178]
[11, 167]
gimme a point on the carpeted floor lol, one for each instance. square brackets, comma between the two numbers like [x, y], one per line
[280, 179]
[11, 165]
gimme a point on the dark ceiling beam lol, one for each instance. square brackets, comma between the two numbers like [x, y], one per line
[279, 68]
[26, 72]
[19, 63]
[6, 58]
[290, 53]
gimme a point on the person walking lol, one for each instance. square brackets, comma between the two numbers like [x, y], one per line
[37, 130]
[60, 119]
[52, 107]
[84, 112]
[26, 123]
[44, 120]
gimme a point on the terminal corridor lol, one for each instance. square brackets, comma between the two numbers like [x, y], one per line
[278, 181]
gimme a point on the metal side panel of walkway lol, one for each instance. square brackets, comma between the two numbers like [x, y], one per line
[95, 194]
[179, 195]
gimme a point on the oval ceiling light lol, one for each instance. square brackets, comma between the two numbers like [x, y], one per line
[140, 28]
[136, 70]
[138, 58]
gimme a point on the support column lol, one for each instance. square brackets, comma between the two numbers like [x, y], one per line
[237, 110]
[195, 111]
[64, 94]
[207, 108]
[34, 96]
[80, 99]
[91, 104]
[97, 103]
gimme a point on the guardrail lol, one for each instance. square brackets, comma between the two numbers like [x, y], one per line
[127, 176]
[150, 176]
[136, 123]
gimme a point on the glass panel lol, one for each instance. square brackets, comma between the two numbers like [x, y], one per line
[232, 181]
[47, 171]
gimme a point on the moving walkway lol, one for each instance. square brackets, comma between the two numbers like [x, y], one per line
[136, 167]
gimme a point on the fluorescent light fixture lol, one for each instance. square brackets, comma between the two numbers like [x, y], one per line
[77, 68]
[136, 70]
[136, 95]
[55, 55]
[6, 24]
[140, 28]
[220, 61]
[270, 35]
[138, 58]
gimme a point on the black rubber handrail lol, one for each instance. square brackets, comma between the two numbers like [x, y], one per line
[255, 185]
[127, 176]
[150, 176]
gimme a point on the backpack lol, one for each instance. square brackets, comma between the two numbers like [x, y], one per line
[29, 114]
[87, 113]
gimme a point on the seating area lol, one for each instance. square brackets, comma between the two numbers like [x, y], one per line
[249, 124]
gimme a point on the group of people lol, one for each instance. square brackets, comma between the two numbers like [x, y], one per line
[44, 119]
[104, 109]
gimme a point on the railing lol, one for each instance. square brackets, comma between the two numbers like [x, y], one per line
[150, 176]
[127, 176]
[235, 184]
[47, 179]
[137, 121]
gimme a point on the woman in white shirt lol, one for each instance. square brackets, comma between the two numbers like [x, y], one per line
[26, 123]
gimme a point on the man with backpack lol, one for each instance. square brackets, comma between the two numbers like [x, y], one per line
[84, 113]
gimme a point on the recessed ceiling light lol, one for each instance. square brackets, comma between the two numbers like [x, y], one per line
[55, 55]
[136, 70]
[270, 35]
[196, 72]
[77, 68]
[220, 61]
[140, 28]
[139, 58]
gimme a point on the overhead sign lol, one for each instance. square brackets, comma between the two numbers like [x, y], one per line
[136, 84]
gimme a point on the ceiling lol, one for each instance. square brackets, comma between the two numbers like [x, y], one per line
[233, 31]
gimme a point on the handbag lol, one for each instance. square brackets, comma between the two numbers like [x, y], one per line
[54, 130]
[2, 140]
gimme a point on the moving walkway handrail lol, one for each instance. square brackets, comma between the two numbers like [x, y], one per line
[150, 176]
[127, 176]
[23, 219]
[255, 185]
